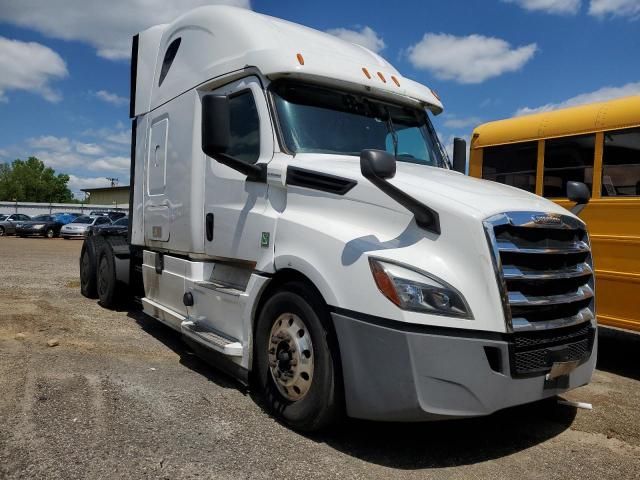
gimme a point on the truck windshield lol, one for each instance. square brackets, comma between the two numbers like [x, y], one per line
[315, 119]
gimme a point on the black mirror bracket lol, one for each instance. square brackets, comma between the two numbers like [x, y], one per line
[255, 172]
[426, 218]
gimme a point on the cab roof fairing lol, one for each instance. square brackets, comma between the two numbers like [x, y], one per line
[270, 45]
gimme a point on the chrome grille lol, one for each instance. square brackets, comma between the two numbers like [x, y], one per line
[544, 269]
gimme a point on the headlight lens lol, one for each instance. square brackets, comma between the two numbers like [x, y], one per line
[39, 226]
[418, 292]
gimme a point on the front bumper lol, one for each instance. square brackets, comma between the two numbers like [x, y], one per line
[402, 373]
[30, 231]
[73, 233]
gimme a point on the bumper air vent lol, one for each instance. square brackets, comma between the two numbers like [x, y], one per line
[533, 353]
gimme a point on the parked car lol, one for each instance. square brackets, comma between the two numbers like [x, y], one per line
[120, 226]
[8, 223]
[41, 225]
[112, 214]
[66, 217]
[78, 227]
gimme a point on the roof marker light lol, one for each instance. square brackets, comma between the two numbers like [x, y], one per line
[366, 72]
[395, 80]
[300, 58]
[384, 80]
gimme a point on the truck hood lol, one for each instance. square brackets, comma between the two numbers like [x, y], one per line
[436, 187]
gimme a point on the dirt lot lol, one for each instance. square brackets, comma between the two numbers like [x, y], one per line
[122, 397]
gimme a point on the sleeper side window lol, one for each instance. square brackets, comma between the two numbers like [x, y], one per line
[567, 159]
[169, 56]
[621, 163]
[244, 143]
[513, 164]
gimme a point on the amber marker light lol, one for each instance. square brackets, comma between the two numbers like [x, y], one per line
[300, 58]
[384, 283]
[366, 72]
[384, 80]
[395, 80]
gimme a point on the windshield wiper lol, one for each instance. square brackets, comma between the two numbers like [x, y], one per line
[392, 131]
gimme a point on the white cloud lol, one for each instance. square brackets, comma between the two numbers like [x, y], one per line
[615, 8]
[118, 138]
[111, 164]
[78, 183]
[470, 59]
[112, 98]
[49, 142]
[29, 66]
[367, 37]
[89, 149]
[454, 121]
[64, 154]
[600, 95]
[106, 25]
[549, 6]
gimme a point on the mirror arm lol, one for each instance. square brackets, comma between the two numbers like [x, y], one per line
[426, 218]
[577, 208]
[254, 172]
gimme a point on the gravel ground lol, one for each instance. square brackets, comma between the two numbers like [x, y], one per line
[121, 396]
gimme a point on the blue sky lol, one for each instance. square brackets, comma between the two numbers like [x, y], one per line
[64, 66]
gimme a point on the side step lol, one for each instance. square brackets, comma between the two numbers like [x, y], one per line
[211, 339]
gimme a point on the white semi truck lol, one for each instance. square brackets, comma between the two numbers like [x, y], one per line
[294, 216]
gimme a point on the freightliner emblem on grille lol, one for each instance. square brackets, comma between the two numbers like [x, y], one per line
[546, 220]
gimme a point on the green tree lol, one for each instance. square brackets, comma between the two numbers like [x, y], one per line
[31, 181]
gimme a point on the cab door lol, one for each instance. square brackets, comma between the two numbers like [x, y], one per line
[237, 227]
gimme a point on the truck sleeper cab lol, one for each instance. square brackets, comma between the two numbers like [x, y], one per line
[294, 216]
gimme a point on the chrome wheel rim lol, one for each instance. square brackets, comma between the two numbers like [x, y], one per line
[290, 354]
[49, 233]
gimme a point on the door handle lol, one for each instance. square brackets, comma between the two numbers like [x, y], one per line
[209, 226]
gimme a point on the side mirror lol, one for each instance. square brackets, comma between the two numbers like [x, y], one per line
[578, 192]
[216, 128]
[460, 155]
[377, 163]
[216, 138]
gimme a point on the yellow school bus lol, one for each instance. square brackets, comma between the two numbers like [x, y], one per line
[598, 144]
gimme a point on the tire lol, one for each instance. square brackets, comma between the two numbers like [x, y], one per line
[2, 232]
[316, 403]
[88, 269]
[106, 283]
[50, 233]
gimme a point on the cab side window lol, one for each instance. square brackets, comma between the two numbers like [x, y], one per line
[513, 165]
[621, 163]
[567, 159]
[245, 127]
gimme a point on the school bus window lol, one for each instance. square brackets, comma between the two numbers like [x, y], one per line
[621, 163]
[513, 165]
[567, 159]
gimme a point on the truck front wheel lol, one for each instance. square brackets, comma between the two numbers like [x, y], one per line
[106, 283]
[88, 269]
[296, 365]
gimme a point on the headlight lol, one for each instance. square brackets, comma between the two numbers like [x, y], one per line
[39, 226]
[417, 291]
